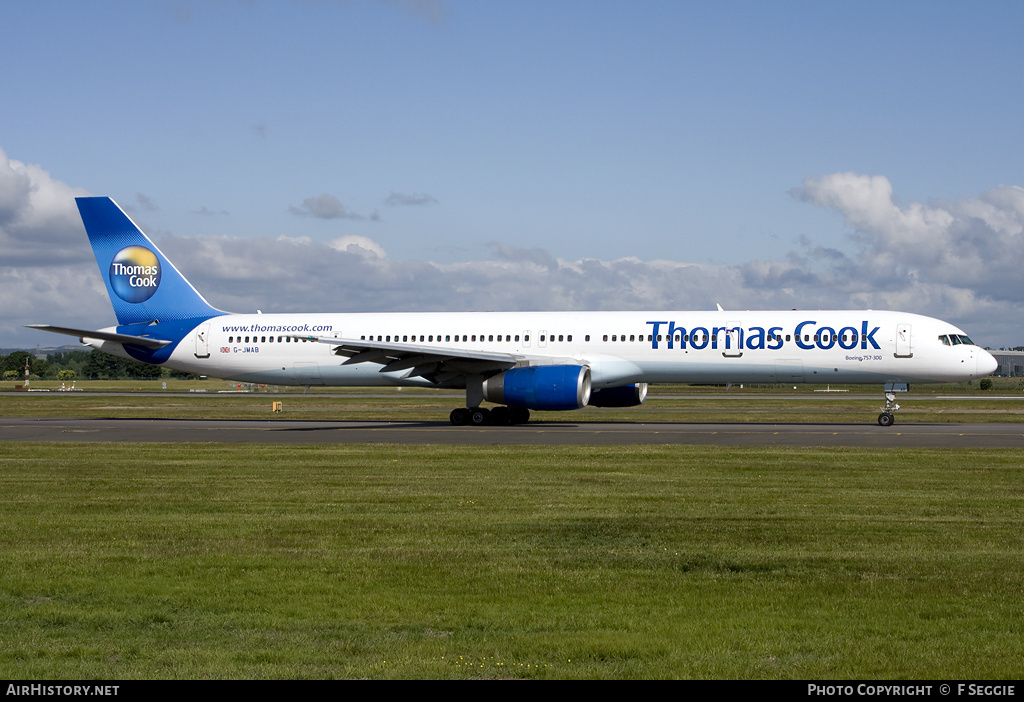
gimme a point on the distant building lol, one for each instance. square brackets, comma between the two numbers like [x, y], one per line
[1011, 363]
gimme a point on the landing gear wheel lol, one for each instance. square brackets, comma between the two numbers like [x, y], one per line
[459, 416]
[519, 415]
[886, 419]
[501, 416]
[478, 416]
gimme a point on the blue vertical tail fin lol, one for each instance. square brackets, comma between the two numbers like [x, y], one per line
[143, 285]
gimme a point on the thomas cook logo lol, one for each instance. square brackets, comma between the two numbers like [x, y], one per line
[135, 274]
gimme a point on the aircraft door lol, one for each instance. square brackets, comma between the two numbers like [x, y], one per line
[203, 341]
[731, 340]
[904, 345]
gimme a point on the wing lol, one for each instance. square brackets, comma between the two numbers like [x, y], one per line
[440, 365]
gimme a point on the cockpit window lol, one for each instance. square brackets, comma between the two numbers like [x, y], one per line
[955, 340]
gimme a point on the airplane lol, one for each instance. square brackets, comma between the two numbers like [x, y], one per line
[519, 361]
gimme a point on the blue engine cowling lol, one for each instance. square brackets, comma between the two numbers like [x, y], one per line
[540, 387]
[624, 396]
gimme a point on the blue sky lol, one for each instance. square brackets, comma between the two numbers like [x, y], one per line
[468, 154]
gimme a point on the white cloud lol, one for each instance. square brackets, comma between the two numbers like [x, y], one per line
[324, 206]
[413, 200]
[48, 267]
[973, 244]
[39, 222]
[359, 245]
[866, 203]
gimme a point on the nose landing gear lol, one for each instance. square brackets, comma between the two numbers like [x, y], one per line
[886, 418]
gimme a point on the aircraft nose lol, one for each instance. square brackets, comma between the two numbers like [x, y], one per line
[987, 363]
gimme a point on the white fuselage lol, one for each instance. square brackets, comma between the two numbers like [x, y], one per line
[858, 346]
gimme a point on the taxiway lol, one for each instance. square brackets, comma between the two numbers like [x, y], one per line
[283, 431]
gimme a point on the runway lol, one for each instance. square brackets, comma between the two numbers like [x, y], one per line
[283, 431]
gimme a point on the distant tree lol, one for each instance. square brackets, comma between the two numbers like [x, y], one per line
[16, 362]
[102, 366]
[66, 360]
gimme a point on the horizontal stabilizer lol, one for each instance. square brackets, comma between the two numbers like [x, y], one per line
[143, 341]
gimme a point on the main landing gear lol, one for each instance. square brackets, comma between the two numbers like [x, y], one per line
[886, 418]
[478, 416]
[481, 416]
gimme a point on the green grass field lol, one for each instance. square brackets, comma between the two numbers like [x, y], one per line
[122, 561]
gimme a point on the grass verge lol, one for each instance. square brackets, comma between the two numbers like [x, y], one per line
[122, 561]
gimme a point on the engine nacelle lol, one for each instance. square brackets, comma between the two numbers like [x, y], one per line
[624, 396]
[540, 387]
